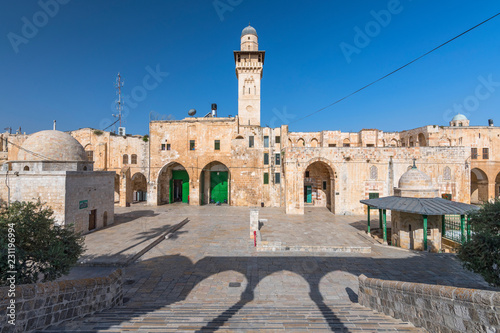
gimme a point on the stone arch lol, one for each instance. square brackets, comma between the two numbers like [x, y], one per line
[290, 144]
[139, 187]
[346, 142]
[444, 141]
[239, 137]
[394, 143]
[478, 187]
[26, 168]
[319, 186]
[173, 184]
[497, 186]
[422, 142]
[301, 143]
[89, 151]
[411, 142]
[314, 142]
[215, 183]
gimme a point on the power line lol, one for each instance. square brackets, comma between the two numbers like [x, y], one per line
[31, 152]
[397, 70]
[112, 124]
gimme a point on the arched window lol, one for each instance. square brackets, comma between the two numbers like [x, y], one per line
[125, 159]
[447, 173]
[373, 172]
[314, 142]
[300, 143]
[133, 159]
[346, 143]
[26, 168]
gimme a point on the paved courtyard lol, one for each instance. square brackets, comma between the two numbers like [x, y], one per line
[208, 276]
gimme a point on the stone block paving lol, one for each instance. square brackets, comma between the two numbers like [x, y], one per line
[208, 277]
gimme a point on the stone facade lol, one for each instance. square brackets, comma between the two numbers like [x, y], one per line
[191, 159]
[44, 304]
[433, 307]
[52, 167]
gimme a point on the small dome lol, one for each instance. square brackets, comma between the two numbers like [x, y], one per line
[459, 117]
[249, 31]
[52, 145]
[414, 179]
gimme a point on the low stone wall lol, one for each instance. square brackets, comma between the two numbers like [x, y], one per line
[435, 308]
[41, 305]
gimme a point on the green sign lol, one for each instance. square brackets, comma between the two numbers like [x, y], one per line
[84, 204]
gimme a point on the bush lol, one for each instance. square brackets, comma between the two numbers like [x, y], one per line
[145, 138]
[43, 251]
[482, 253]
[98, 132]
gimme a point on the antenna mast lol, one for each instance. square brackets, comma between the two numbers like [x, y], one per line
[119, 103]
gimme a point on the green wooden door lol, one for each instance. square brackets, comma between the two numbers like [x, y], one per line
[308, 193]
[218, 186]
[184, 177]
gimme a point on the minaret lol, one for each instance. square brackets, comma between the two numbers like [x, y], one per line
[249, 66]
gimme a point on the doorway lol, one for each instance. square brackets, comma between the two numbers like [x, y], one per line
[218, 186]
[177, 195]
[92, 219]
[308, 194]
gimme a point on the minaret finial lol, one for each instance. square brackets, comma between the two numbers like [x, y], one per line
[414, 166]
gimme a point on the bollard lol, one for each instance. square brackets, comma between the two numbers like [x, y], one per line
[255, 238]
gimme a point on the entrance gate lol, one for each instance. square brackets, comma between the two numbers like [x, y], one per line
[218, 186]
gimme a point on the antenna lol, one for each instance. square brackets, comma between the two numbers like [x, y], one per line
[119, 103]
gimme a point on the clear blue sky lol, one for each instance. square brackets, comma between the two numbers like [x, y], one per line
[66, 70]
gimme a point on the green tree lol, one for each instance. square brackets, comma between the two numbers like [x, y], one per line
[482, 253]
[43, 250]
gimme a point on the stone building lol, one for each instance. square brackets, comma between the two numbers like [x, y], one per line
[52, 167]
[234, 160]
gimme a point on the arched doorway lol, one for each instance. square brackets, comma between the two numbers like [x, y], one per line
[139, 187]
[215, 184]
[478, 186]
[173, 184]
[319, 185]
[422, 142]
[117, 188]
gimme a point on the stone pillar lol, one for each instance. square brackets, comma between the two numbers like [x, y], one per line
[126, 194]
[254, 221]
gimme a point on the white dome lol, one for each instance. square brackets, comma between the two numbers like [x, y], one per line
[459, 117]
[53, 146]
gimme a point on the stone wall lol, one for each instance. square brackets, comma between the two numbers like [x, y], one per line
[41, 305]
[435, 308]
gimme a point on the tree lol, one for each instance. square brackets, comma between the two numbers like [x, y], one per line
[43, 251]
[482, 253]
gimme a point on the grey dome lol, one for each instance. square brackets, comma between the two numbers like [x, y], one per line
[52, 145]
[459, 117]
[249, 31]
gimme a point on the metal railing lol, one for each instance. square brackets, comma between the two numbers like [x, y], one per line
[457, 228]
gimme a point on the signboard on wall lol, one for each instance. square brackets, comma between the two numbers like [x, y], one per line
[84, 204]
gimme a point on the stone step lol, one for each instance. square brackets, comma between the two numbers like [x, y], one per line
[254, 316]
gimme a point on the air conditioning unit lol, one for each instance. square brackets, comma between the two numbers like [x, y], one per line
[121, 131]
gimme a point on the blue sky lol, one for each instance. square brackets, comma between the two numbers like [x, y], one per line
[66, 68]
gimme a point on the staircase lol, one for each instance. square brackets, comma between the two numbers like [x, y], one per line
[239, 317]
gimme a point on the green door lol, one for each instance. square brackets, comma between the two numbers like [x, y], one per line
[183, 179]
[308, 194]
[218, 186]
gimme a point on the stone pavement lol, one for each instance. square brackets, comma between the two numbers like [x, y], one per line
[208, 277]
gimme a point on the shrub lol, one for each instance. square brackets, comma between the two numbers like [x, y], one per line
[98, 132]
[482, 253]
[43, 250]
[145, 138]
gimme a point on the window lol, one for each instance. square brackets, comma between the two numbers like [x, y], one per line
[373, 172]
[266, 141]
[324, 185]
[347, 144]
[373, 195]
[266, 158]
[266, 178]
[217, 145]
[277, 178]
[473, 153]
[192, 144]
[331, 145]
[26, 168]
[429, 230]
[162, 146]
[250, 141]
[168, 146]
[125, 159]
[277, 139]
[307, 174]
[370, 145]
[486, 154]
[278, 159]
[133, 159]
[90, 156]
